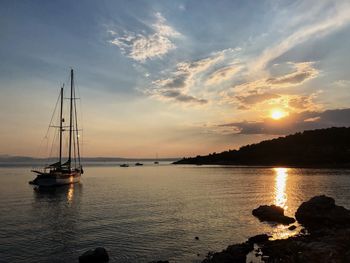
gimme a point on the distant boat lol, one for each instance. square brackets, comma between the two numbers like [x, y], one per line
[156, 162]
[138, 164]
[70, 171]
[124, 165]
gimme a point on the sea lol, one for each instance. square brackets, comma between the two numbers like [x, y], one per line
[151, 212]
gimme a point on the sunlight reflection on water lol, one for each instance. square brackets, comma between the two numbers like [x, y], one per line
[280, 187]
[281, 198]
[70, 193]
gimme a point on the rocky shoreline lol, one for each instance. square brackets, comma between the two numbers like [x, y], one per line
[325, 238]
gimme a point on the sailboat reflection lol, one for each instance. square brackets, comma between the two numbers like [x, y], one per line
[280, 187]
[65, 193]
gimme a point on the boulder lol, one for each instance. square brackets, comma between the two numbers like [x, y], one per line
[258, 239]
[97, 255]
[321, 211]
[292, 227]
[235, 253]
[272, 213]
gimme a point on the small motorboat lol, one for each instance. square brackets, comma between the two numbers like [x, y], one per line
[124, 165]
[138, 164]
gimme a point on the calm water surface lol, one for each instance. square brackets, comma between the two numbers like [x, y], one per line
[152, 212]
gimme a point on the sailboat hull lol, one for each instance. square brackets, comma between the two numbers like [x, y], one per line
[56, 179]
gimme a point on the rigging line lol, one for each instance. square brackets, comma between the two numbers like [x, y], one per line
[53, 114]
[52, 145]
[48, 128]
[80, 149]
[76, 126]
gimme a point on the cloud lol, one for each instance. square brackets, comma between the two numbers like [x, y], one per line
[223, 74]
[306, 120]
[332, 18]
[141, 47]
[254, 98]
[180, 97]
[343, 83]
[248, 94]
[304, 71]
[300, 102]
[179, 83]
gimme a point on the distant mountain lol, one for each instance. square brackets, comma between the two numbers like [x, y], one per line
[318, 148]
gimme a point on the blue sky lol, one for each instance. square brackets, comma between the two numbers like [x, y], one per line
[176, 78]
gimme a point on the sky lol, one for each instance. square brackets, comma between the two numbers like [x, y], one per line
[173, 78]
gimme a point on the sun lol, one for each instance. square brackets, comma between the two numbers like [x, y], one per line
[277, 114]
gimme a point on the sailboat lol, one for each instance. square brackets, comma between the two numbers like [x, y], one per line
[69, 171]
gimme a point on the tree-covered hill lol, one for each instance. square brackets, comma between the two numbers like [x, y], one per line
[323, 147]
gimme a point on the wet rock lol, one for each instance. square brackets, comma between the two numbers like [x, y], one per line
[330, 246]
[292, 227]
[321, 211]
[98, 255]
[258, 239]
[235, 253]
[272, 213]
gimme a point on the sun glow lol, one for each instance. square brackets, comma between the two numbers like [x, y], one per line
[277, 114]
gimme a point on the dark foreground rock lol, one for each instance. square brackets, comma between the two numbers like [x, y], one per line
[258, 239]
[292, 227]
[272, 213]
[320, 212]
[97, 255]
[325, 246]
[235, 253]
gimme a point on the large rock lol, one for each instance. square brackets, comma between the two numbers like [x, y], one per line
[258, 239]
[321, 211]
[235, 253]
[272, 213]
[331, 246]
[98, 255]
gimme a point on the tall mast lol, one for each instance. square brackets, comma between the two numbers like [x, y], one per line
[61, 120]
[71, 118]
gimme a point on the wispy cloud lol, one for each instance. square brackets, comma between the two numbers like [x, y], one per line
[248, 94]
[329, 18]
[303, 71]
[255, 98]
[179, 85]
[223, 74]
[141, 47]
